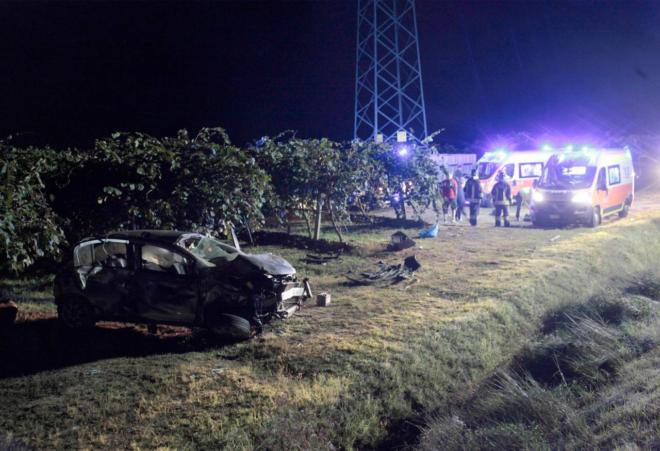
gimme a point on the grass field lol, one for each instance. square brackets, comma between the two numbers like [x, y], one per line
[381, 367]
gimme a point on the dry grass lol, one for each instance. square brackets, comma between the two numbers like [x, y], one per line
[362, 373]
[590, 380]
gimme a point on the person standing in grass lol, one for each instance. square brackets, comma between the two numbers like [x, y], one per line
[460, 195]
[472, 193]
[501, 199]
[449, 188]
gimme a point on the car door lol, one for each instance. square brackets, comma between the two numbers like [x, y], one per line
[166, 285]
[616, 195]
[104, 275]
[602, 191]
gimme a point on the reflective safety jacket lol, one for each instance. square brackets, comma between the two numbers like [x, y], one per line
[501, 193]
[472, 190]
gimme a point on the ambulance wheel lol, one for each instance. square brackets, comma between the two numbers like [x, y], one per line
[624, 211]
[595, 218]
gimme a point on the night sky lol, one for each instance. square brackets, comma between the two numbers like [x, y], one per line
[74, 71]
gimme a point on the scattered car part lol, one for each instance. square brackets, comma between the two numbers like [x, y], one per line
[321, 259]
[323, 299]
[8, 312]
[399, 241]
[390, 274]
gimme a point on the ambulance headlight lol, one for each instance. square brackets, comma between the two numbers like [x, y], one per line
[581, 197]
[538, 196]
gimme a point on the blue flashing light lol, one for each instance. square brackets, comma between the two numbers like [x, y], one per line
[546, 147]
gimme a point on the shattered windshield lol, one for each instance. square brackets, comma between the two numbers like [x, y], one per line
[486, 170]
[207, 248]
[568, 172]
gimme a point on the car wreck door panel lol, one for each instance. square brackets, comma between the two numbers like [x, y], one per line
[166, 286]
[104, 276]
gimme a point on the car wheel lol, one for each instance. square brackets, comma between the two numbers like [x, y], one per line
[595, 218]
[75, 313]
[233, 326]
[624, 211]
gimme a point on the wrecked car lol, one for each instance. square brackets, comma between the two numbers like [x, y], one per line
[176, 278]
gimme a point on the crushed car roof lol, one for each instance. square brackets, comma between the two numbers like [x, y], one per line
[170, 236]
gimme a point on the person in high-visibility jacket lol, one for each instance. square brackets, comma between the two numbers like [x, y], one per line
[472, 192]
[501, 195]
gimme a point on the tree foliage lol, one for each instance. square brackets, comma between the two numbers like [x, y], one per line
[29, 228]
[192, 183]
[308, 174]
[411, 179]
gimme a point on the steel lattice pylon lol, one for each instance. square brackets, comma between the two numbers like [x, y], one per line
[388, 79]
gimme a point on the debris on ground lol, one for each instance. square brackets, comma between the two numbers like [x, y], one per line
[389, 274]
[321, 259]
[431, 232]
[8, 311]
[399, 241]
[323, 299]
[555, 238]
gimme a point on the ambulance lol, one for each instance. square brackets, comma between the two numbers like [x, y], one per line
[520, 167]
[584, 186]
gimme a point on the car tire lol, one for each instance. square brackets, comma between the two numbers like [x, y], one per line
[75, 313]
[624, 211]
[233, 326]
[595, 218]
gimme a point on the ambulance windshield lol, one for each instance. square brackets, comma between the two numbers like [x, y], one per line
[568, 172]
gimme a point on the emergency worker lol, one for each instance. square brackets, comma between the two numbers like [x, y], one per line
[472, 193]
[460, 194]
[501, 199]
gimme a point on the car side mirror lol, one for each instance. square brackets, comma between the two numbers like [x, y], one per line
[602, 186]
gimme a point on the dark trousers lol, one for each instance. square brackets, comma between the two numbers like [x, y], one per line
[474, 211]
[519, 202]
[501, 210]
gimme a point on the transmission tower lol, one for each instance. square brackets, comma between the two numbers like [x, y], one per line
[389, 97]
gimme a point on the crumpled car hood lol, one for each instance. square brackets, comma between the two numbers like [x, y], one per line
[271, 264]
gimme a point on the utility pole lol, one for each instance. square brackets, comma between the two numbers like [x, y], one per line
[389, 97]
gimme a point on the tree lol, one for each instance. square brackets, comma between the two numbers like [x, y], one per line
[310, 176]
[408, 178]
[29, 228]
[199, 183]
